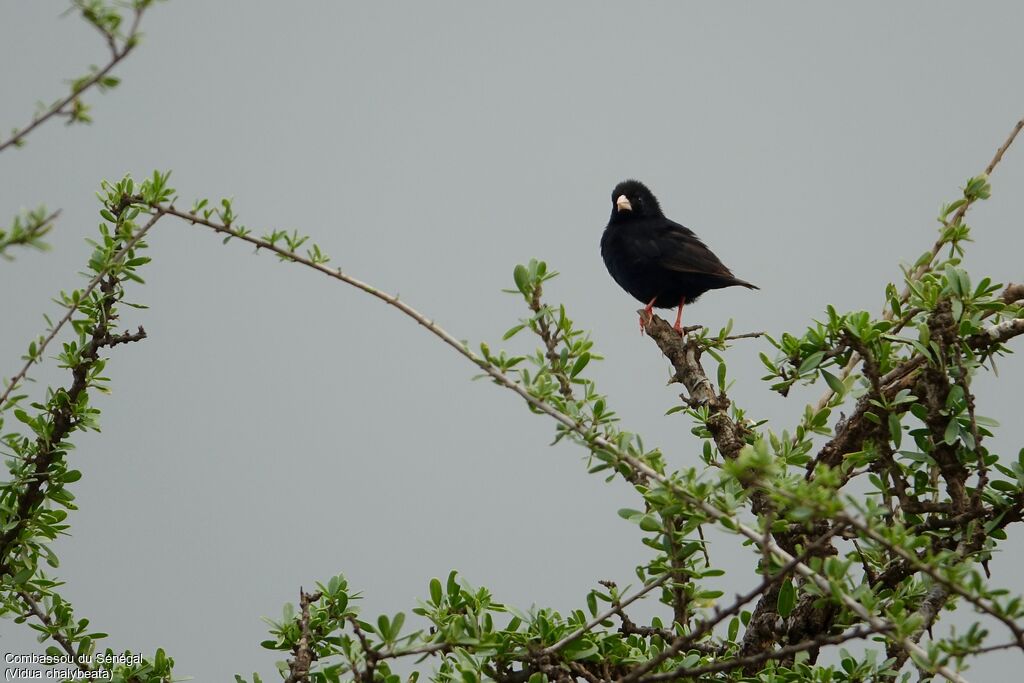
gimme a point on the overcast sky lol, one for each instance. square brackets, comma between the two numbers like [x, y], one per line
[277, 428]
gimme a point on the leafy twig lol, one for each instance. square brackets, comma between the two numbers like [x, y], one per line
[28, 230]
[70, 106]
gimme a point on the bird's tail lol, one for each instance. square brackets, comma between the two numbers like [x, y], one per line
[744, 283]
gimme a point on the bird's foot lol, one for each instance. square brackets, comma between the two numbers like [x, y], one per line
[646, 315]
[645, 320]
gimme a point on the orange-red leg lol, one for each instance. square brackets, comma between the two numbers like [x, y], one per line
[678, 327]
[648, 312]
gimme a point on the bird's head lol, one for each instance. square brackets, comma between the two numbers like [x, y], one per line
[632, 200]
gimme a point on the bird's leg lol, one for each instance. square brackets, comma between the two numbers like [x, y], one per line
[678, 327]
[648, 312]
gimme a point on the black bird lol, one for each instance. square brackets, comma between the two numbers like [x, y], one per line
[658, 261]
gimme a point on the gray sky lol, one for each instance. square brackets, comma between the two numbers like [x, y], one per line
[277, 428]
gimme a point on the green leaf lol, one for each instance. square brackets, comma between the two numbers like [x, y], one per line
[689, 549]
[895, 432]
[435, 591]
[512, 332]
[580, 363]
[952, 432]
[950, 208]
[650, 523]
[812, 361]
[964, 281]
[453, 585]
[583, 650]
[397, 622]
[787, 599]
[522, 278]
[833, 382]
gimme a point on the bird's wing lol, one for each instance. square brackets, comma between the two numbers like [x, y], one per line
[682, 251]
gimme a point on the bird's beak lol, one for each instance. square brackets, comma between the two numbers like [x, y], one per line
[622, 203]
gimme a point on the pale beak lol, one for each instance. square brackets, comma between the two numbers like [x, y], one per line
[622, 203]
